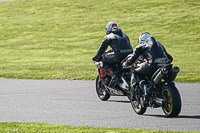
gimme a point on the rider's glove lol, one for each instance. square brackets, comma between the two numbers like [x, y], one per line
[94, 58]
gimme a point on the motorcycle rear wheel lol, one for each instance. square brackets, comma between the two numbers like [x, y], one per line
[137, 106]
[101, 90]
[173, 106]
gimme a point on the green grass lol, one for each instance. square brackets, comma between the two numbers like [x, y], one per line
[43, 128]
[52, 39]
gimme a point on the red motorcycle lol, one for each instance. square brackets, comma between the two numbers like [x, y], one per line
[121, 86]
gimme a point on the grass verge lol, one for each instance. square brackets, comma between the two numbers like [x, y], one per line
[42, 128]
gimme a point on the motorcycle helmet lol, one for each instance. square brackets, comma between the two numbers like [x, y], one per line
[143, 37]
[111, 26]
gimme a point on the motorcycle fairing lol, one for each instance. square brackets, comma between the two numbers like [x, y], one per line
[102, 72]
[116, 92]
[110, 72]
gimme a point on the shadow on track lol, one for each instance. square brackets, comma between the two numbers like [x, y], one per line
[119, 101]
[189, 117]
[180, 116]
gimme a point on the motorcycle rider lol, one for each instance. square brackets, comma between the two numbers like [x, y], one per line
[120, 44]
[155, 55]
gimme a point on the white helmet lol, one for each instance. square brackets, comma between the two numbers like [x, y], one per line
[143, 37]
[111, 26]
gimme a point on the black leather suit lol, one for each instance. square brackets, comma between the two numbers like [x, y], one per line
[120, 44]
[155, 54]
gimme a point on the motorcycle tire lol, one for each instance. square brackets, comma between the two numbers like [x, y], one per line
[173, 105]
[137, 106]
[101, 90]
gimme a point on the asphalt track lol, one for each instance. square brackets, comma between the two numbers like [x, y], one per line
[75, 103]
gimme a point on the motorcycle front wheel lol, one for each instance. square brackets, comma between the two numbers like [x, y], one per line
[101, 90]
[173, 105]
[137, 105]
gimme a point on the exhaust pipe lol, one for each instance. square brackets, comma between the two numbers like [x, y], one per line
[173, 74]
[163, 72]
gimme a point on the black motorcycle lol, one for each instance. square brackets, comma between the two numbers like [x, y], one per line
[120, 87]
[161, 89]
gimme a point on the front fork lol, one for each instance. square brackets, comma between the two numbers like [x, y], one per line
[136, 93]
[133, 80]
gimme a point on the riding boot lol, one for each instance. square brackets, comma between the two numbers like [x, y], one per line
[113, 79]
[114, 76]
